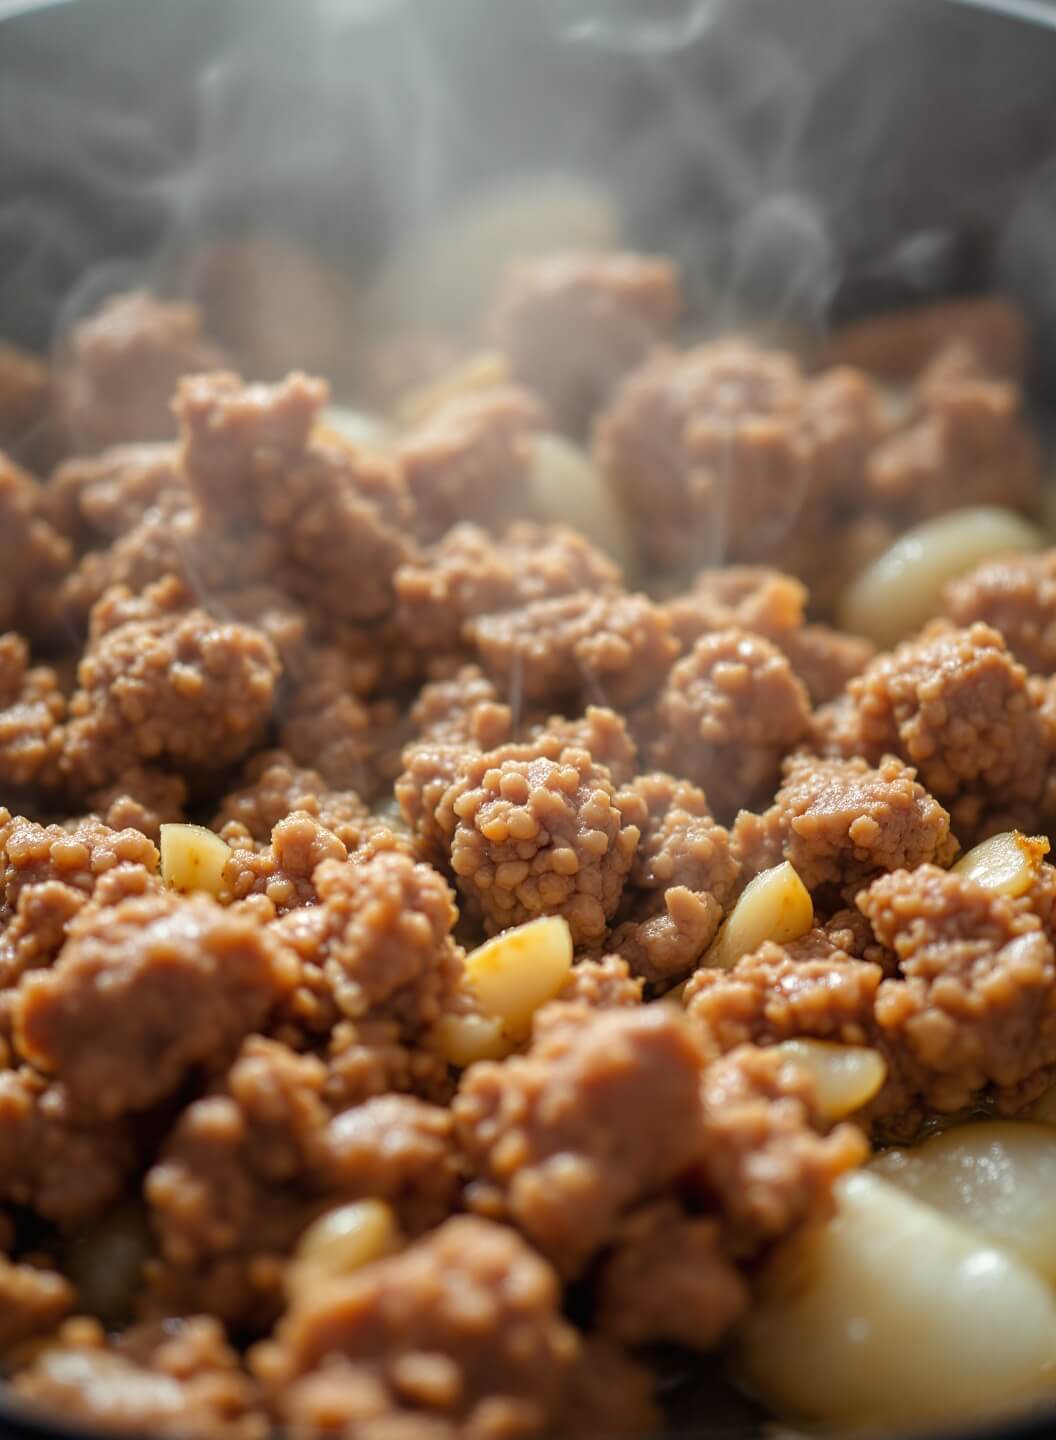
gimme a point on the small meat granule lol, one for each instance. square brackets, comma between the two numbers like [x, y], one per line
[32, 1302]
[42, 1149]
[573, 323]
[840, 822]
[899, 345]
[94, 499]
[599, 730]
[955, 704]
[607, 649]
[564, 1140]
[35, 933]
[464, 709]
[742, 597]
[469, 572]
[118, 370]
[825, 659]
[173, 983]
[78, 855]
[977, 1001]
[471, 459]
[969, 446]
[32, 709]
[354, 743]
[681, 842]
[669, 1279]
[463, 1327]
[339, 515]
[365, 1058]
[272, 787]
[283, 869]
[1015, 595]
[174, 1380]
[667, 933]
[600, 985]
[763, 1160]
[181, 688]
[142, 798]
[532, 836]
[729, 712]
[381, 935]
[33, 555]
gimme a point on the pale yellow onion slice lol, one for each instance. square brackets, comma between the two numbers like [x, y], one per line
[357, 427]
[1007, 864]
[568, 489]
[902, 588]
[845, 1077]
[193, 858]
[341, 1242]
[892, 1314]
[998, 1177]
[776, 905]
[514, 974]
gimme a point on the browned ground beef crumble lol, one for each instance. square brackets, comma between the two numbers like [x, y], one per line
[419, 712]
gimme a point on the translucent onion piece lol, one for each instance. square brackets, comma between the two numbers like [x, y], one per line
[846, 1077]
[567, 489]
[776, 905]
[520, 970]
[1007, 864]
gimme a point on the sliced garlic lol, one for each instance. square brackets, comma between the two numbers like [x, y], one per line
[341, 1242]
[193, 858]
[892, 1314]
[846, 1077]
[520, 970]
[464, 1039]
[776, 905]
[568, 489]
[902, 588]
[1007, 864]
[998, 1177]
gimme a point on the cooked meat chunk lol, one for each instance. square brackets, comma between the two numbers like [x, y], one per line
[729, 712]
[600, 985]
[365, 1058]
[899, 345]
[94, 499]
[380, 935]
[599, 730]
[681, 843]
[469, 572]
[33, 555]
[78, 856]
[283, 869]
[463, 1327]
[32, 709]
[173, 983]
[118, 370]
[464, 710]
[668, 933]
[275, 787]
[352, 742]
[32, 1302]
[825, 659]
[571, 324]
[141, 798]
[977, 1001]
[338, 514]
[471, 459]
[763, 1160]
[564, 1140]
[739, 597]
[609, 649]
[176, 687]
[36, 931]
[172, 1380]
[840, 822]
[957, 706]
[1017, 597]
[669, 1279]
[532, 835]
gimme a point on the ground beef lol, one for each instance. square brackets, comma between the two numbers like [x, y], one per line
[78, 856]
[681, 844]
[283, 869]
[564, 1140]
[609, 649]
[728, 713]
[669, 1279]
[600, 985]
[763, 1161]
[338, 514]
[32, 1302]
[173, 982]
[94, 499]
[352, 742]
[174, 1380]
[463, 710]
[744, 597]
[1016, 596]
[840, 822]
[968, 446]
[365, 1058]
[380, 936]
[599, 730]
[532, 835]
[33, 555]
[956, 705]
[977, 1002]
[272, 787]
[176, 687]
[464, 1327]
[825, 659]
[667, 933]
[26, 398]
[142, 798]
[32, 709]
[571, 324]
[118, 369]
[471, 459]
[469, 572]
[899, 345]
[36, 931]
[43, 1148]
